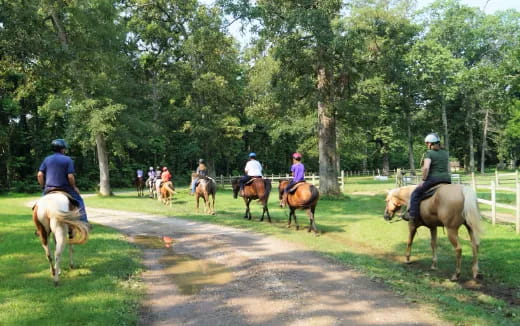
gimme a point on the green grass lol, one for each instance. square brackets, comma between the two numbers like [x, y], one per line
[355, 234]
[103, 289]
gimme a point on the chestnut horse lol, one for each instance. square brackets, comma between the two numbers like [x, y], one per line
[205, 187]
[451, 206]
[167, 191]
[139, 184]
[256, 188]
[306, 197]
[54, 213]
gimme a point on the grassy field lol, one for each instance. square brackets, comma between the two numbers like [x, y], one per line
[103, 289]
[354, 233]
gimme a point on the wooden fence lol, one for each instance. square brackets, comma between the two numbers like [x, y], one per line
[223, 181]
[501, 182]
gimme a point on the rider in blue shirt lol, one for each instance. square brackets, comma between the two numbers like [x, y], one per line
[57, 173]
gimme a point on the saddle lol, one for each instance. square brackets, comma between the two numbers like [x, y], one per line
[296, 186]
[252, 180]
[430, 192]
[72, 201]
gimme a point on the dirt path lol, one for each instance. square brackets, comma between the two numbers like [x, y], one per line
[273, 282]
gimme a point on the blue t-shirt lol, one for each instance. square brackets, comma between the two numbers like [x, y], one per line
[298, 171]
[56, 168]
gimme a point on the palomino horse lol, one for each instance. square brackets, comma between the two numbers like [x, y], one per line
[139, 184]
[167, 191]
[257, 188]
[305, 196]
[205, 187]
[54, 213]
[451, 206]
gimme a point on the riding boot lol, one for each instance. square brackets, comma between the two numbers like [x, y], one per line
[241, 192]
[408, 217]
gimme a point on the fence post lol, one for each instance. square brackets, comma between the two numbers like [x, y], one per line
[222, 181]
[496, 177]
[473, 182]
[493, 203]
[516, 176]
[517, 208]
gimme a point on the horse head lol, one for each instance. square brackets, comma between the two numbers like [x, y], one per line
[282, 183]
[236, 187]
[393, 204]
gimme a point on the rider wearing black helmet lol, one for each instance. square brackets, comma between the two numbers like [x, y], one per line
[57, 173]
[435, 170]
[202, 172]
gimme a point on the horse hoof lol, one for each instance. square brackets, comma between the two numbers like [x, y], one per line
[454, 278]
[297, 227]
[288, 226]
[478, 277]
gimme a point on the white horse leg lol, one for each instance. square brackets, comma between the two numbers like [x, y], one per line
[60, 236]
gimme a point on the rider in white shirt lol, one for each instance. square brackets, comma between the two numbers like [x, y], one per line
[253, 169]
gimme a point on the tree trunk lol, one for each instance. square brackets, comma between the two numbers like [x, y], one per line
[326, 139]
[411, 159]
[471, 145]
[484, 142]
[104, 180]
[386, 163]
[445, 125]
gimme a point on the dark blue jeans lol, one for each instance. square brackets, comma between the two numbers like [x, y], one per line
[78, 198]
[415, 199]
[291, 184]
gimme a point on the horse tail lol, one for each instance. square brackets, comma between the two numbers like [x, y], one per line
[315, 194]
[471, 212]
[268, 187]
[81, 234]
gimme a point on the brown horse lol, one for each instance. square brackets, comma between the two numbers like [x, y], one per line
[206, 187]
[451, 206]
[167, 191]
[306, 197]
[54, 213]
[257, 188]
[139, 184]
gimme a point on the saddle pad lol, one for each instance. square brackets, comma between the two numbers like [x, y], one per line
[72, 201]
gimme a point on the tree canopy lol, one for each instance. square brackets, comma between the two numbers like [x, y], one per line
[351, 85]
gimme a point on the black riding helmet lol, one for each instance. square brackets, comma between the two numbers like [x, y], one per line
[201, 161]
[58, 144]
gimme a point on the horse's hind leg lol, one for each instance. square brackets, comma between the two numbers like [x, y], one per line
[71, 262]
[61, 238]
[433, 243]
[454, 239]
[312, 223]
[474, 248]
[294, 217]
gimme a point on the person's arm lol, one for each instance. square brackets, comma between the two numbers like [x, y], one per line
[426, 168]
[41, 178]
[72, 181]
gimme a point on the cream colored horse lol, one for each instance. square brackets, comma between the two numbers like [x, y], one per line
[451, 206]
[54, 213]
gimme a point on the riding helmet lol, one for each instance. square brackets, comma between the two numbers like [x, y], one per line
[432, 138]
[151, 168]
[252, 154]
[297, 155]
[201, 160]
[58, 144]
[164, 168]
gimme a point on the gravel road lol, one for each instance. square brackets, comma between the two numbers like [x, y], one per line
[273, 282]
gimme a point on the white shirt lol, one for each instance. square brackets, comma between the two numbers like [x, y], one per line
[253, 168]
